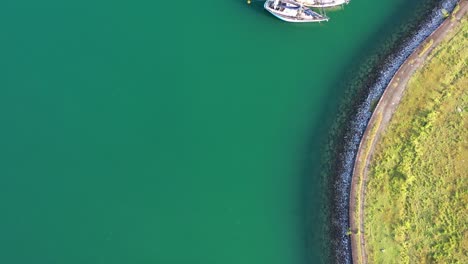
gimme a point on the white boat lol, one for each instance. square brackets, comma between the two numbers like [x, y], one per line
[323, 3]
[292, 11]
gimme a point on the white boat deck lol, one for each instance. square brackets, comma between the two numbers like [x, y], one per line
[292, 11]
[323, 3]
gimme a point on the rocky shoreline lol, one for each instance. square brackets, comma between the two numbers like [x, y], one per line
[378, 123]
[356, 125]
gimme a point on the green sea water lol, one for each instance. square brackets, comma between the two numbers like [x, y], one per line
[177, 132]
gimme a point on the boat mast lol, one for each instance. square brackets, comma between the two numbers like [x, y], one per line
[322, 10]
[301, 9]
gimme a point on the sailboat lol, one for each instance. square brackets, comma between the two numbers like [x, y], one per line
[292, 11]
[323, 3]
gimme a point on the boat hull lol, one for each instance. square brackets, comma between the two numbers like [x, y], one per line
[296, 21]
[310, 16]
[324, 3]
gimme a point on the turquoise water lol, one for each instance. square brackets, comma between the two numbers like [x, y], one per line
[170, 133]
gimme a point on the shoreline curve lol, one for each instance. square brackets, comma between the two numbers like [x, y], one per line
[379, 120]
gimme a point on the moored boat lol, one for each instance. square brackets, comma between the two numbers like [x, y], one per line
[323, 3]
[292, 11]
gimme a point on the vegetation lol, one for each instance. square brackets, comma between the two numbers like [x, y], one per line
[417, 192]
[456, 9]
[364, 69]
[445, 13]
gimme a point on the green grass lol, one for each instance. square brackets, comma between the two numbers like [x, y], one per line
[456, 9]
[417, 192]
[445, 13]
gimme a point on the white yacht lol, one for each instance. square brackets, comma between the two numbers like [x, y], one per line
[323, 3]
[292, 11]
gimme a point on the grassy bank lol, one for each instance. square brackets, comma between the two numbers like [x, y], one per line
[415, 207]
[358, 79]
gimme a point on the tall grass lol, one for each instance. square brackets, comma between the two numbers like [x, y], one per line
[417, 192]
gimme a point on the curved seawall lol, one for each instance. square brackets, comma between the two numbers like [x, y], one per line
[357, 125]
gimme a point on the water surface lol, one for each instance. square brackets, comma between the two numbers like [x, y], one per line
[170, 133]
